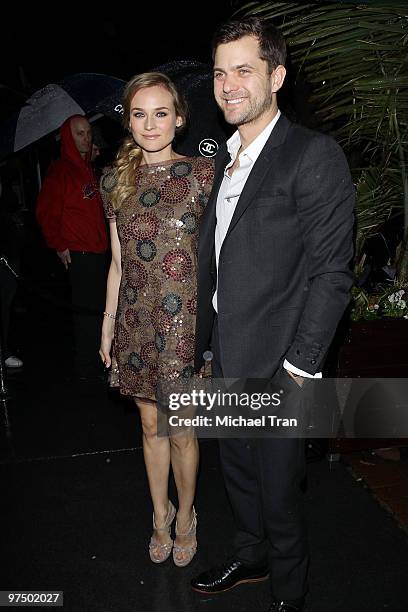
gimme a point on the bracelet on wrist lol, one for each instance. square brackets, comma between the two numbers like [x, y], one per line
[109, 315]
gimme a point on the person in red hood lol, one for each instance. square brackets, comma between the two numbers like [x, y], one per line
[70, 214]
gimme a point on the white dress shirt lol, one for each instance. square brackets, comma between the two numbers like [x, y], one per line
[229, 193]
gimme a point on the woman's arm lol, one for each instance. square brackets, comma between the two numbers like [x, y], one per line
[112, 292]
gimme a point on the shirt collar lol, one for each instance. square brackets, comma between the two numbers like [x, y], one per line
[253, 150]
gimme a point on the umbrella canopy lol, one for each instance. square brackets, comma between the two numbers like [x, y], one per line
[206, 128]
[49, 107]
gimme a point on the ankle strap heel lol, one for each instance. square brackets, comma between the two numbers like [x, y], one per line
[160, 552]
[188, 552]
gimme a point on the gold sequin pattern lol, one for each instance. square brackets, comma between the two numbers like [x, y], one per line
[158, 232]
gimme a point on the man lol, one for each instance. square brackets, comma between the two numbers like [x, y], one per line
[70, 213]
[275, 243]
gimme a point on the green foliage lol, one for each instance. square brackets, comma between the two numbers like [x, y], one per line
[355, 58]
[390, 301]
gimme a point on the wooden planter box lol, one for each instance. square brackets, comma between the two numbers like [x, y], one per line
[372, 349]
[375, 349]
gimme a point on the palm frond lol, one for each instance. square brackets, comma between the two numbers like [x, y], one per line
[354, 57]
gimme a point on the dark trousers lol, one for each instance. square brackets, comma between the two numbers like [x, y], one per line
[263, 478]
[87, 275]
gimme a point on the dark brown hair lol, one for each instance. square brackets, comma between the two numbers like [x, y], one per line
[272, 46]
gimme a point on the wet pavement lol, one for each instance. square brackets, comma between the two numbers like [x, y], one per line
[76, 514]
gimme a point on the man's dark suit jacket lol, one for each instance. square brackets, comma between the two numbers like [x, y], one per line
[283, 275]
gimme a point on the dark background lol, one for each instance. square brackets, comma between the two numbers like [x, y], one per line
[46, 44]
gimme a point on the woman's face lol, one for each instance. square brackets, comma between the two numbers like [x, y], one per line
[153, 118]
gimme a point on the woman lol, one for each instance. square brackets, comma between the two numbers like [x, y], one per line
[153, 199]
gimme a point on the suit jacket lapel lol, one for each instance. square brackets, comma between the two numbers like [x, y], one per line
[260, 169]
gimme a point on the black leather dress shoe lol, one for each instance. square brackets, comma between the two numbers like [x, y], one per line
[287, 606]
[227, 576]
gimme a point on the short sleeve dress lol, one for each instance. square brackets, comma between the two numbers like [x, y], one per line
[158, 234]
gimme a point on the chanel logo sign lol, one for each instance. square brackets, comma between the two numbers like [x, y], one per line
[208, 147]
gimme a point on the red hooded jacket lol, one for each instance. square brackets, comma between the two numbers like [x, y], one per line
[69, 207]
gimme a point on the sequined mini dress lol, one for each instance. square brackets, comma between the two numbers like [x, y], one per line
[158, 234]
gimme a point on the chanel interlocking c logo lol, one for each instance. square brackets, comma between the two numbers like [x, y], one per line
[208, 147]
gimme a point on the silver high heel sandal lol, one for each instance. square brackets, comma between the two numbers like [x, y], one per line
[160, 552]
[189, 551]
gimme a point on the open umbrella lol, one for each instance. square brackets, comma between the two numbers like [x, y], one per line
[206, 128]
[47, 108]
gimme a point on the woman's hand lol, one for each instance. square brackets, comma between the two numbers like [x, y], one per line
[108, 329]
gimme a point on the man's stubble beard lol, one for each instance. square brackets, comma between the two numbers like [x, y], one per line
[256, 109]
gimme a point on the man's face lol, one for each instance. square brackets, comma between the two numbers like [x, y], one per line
[82, 135]
[243, 86]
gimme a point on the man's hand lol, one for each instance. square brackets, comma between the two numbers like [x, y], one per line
[299, 380]
[65, 257]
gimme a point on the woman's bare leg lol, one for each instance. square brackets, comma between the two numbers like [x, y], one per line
[184, 461]
[156, 452]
